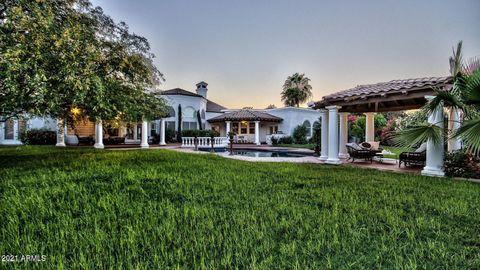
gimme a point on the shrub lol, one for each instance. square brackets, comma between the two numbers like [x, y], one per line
[275, 140]
[285, 140]
[39, 137]
[316, 133]
[199, 133]
[300, 134]
[462, 164]
[387, 131]
[170, 135]
[190, 133]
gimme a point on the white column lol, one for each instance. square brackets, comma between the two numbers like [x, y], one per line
[343, 153]
[435, 151]
[370, 127]
[324, 143]
[144, 142]
[98, 135]
[135, 135]
[16, 135]
[333, 135]
[228, 128]
[2, 134]
[162, 132]
[257, 132]
[454, 120]
[60, 133]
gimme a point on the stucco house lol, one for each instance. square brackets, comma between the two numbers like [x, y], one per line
[197, 112]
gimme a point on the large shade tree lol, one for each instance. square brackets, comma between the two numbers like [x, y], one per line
[464, 96]
[56, 55]
[296, 90]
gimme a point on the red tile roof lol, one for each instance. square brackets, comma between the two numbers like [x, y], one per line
[390, 87]
[245, 115]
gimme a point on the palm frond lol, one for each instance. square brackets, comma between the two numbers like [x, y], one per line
[472, 65]
[416, 135]
[446, 98]
[472, 88]
[469, 133]
[456, 61]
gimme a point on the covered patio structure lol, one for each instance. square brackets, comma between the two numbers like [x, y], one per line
[396, 95]
[246, 124]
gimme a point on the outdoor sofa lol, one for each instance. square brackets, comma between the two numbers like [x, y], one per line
[356, 151]
[414, 158]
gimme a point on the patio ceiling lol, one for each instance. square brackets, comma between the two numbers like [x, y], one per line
[396, 95]
[245, 115]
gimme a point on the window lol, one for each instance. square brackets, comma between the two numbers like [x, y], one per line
[171, 112]
[189, 125]
[273, 129]
[189, 112]
[153, 129]
[243, 127]
[235, 128]
[308, 126]
[202, 114]
[170, 125]
[9, 129]
[22, 126]
[251, 128]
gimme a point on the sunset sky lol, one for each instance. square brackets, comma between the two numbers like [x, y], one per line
[246, 49]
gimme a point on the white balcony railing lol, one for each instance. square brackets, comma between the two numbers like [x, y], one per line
[204, 142]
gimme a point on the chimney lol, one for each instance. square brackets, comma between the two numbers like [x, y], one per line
[202, 89]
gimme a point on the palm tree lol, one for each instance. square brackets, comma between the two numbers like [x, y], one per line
[464, 96]
[296, 90]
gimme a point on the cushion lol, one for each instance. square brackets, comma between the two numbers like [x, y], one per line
[366, 146]
[71, 140]
[355, 146]
[375, 145]
[422, 148]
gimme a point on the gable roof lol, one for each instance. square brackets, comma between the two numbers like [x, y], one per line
[179, 91]
[211, 106]
[214, 107]
[246, 115]
[382, 96]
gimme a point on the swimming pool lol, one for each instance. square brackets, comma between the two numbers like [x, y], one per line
[268, 153]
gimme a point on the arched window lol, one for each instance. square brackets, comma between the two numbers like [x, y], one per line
[307, 124]
[189, 112]
[171, 111]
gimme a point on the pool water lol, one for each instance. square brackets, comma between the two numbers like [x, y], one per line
[257, 153]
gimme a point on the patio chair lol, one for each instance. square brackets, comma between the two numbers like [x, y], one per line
[357, 152]
[88, 140]
[414, 158]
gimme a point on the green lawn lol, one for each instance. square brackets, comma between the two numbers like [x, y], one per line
[397, 150]
[158, 209]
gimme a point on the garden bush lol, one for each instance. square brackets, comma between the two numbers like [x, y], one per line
[462, 164]
[170, 135]
[198, 133]
[38, 137]
[275, 140]
[300, 134]
[285, 140]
